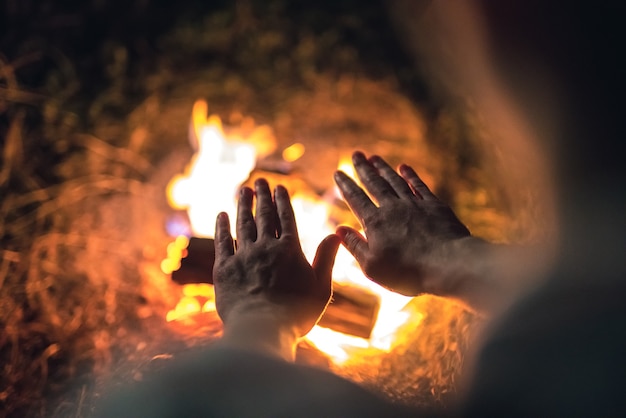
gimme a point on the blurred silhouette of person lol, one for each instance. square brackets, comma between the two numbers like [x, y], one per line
[548, 78]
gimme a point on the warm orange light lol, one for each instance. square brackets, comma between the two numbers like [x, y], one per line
[211, 179]
[345, 165]
[187, 305]
[209, 306]
[209, 186]
[199, 290]
[293, 152]
[176, 250]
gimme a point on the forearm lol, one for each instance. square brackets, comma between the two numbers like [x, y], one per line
[484, 276]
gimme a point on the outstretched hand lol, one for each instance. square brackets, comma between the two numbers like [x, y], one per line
[266, 276]
[407, 234]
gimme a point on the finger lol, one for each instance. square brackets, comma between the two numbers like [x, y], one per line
[325, 258]
[373, 182]
[246, 228]
[224, 247]
[420, 188]
[355, 197]
[265, 210]
[354, 242]
[399, 185]
[286, 217]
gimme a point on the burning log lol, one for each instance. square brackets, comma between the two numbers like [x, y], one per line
[197, 265]
[353, 310]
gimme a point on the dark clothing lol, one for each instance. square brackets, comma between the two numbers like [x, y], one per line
[561, 352]
[234, 384]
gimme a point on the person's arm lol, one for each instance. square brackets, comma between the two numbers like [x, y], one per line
[415, 244]
[266, 292]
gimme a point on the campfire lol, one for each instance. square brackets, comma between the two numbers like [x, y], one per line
[108, 219]
[362, 317]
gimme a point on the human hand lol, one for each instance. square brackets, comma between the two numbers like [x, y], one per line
[407, 236]
[267, 277]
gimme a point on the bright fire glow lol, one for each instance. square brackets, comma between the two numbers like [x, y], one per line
[293, 152]
[175, 252]
[212, 177]
[209, 185]
[345, 165]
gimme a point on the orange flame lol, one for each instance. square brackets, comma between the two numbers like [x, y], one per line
[293, 152]
[209, 186]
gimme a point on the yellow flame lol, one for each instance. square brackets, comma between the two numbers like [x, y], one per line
[345, 165]
[209, 306]
[335, 344]
[190, 303]
[199, 116]
[176, 250]
[199, 290]
[209, 186]
[213, 176]
[293, 152]
[187, 305]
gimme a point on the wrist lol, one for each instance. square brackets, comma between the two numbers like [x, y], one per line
[261, 329]
[453, 273]
[486, 276]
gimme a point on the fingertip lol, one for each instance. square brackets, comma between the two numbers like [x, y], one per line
[358, 157]
[223, 240]
[341, 232]
[261, 186]
[221, 221]
[405, 169]
[246, 192]
[339, 175]
[280, 189]
[261, 181]
[406, 172]
[332, 240]
[332, 243]
[325, 256]
[329, 246]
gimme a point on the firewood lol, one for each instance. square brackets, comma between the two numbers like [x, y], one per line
[197, 265]
[352, 310]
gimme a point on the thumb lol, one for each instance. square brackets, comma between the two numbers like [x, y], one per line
[354, 242]
[325, 257]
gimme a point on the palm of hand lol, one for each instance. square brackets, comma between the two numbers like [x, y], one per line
[403, 241]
